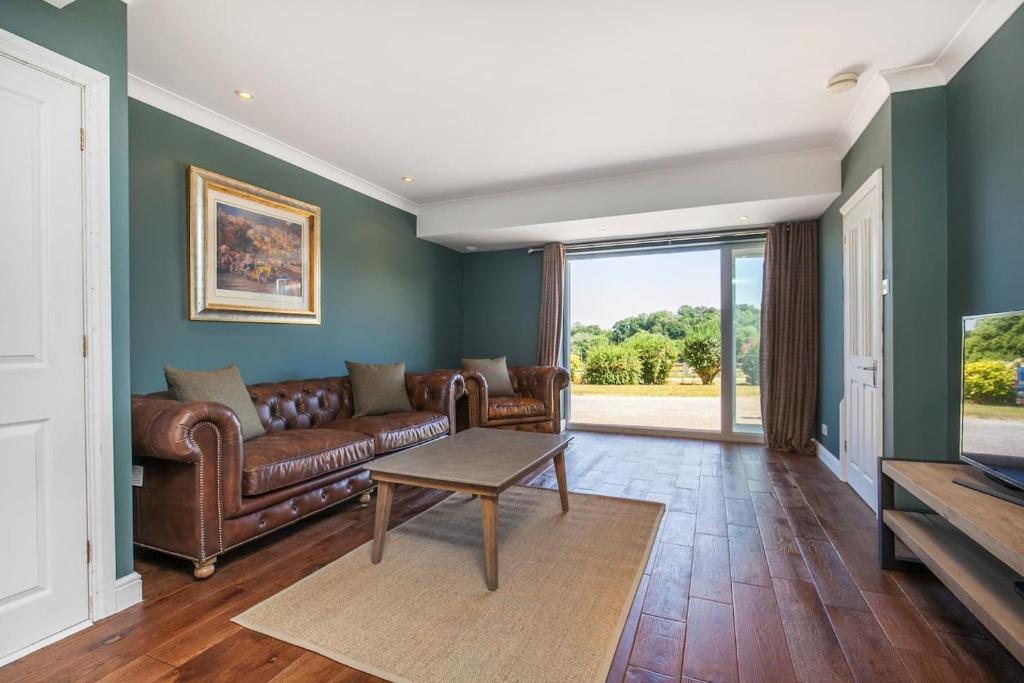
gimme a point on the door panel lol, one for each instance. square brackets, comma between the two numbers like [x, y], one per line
[862, 270]
[44, 586]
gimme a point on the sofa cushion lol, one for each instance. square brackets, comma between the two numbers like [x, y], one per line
[495, 372]
[395, 430]
[378, 388]
[223, 386]
[284, 458]
[509, 407]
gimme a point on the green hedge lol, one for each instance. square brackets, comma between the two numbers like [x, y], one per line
[612, 365]
[657, 354]
[988, 381]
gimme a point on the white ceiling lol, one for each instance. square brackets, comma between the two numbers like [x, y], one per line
[472, 97]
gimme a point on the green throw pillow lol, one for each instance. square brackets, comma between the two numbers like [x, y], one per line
[220, 386]
[378, 388]
[495, 371]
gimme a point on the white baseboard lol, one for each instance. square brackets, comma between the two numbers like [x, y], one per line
[830, 461]
[128, 591]
[40, 644]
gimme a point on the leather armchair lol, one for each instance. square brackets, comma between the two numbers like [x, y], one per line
[535, 407]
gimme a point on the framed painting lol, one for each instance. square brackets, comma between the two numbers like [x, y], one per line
[254, 255]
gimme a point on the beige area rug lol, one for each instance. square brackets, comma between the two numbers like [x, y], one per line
[566, 581]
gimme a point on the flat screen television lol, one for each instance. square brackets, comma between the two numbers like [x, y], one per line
[992, 399]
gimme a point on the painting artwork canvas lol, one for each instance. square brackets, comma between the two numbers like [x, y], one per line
[254, 253]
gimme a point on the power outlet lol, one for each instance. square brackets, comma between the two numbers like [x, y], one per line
[824, 429]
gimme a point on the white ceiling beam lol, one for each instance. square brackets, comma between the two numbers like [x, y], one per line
[732, 185]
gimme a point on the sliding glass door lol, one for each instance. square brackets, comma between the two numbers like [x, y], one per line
[666, 339]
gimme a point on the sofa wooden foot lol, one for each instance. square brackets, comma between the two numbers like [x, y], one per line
[364, 500]
[205, 569]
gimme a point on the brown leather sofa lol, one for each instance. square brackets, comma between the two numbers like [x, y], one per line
[205, 492]
[535, 407]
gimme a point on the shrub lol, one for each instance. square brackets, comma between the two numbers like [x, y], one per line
[702, 351]
[749, 360]
[612, 365]
[575, 367]
[581, 341]
[657, 354]
[988, 381]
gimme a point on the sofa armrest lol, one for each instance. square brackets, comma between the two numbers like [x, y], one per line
[163, 427]
[476, 398]
[196, 478]
[543, 382]
[436, 392]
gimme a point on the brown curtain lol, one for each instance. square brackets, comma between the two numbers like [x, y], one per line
[789, 336]
[549, 334]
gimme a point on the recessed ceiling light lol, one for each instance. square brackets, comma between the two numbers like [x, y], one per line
[470, 247]
[407, 179]
[744, 218]
[841, 83]
[244, 94]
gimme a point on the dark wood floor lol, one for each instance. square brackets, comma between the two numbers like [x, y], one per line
[765, 569]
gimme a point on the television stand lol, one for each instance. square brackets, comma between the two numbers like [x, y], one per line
[973, 542]
[993, 487]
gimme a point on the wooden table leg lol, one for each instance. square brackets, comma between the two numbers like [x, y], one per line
[563, 490]
[380, 519]
[489, 506]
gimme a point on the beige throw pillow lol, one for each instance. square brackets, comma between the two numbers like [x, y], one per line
[378, 388]
[220, 386]
[495, 371]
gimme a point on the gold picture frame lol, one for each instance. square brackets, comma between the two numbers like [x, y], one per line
[254, 255]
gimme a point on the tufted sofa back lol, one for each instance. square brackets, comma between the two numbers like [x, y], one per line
[302, 404]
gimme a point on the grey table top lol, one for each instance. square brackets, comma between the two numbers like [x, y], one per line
[493, 458]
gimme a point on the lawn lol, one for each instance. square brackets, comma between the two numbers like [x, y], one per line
[984, 410]
[677, 390]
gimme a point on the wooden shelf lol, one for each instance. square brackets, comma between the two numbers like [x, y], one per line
[980, 581]
[994, 524]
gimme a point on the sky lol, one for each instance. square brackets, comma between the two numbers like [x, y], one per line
[605, 290]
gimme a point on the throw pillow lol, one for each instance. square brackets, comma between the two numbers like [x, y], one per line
[378, 388]
[495, 371]
[220, 386]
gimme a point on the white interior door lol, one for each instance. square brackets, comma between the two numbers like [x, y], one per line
[862, 305]
[44, 582]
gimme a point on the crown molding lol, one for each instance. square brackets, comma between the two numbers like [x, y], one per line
[983, 23]
[914, 78]
[172, 103]
[988, 18]
[61, 4]
[874, 96]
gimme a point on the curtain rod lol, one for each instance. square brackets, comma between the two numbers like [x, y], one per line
[663, 241]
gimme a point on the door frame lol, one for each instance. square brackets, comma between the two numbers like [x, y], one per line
[107, 593]
[874, 182]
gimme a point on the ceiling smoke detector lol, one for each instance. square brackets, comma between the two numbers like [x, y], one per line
[841, 83]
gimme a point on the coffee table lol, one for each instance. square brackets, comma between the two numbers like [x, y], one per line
[483, 462]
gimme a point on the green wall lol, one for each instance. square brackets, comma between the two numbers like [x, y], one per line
[501, 305]
[907, 140]
[873, 150]
[387, 296]
[917, 321]
[94, 33]
[986, 191]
